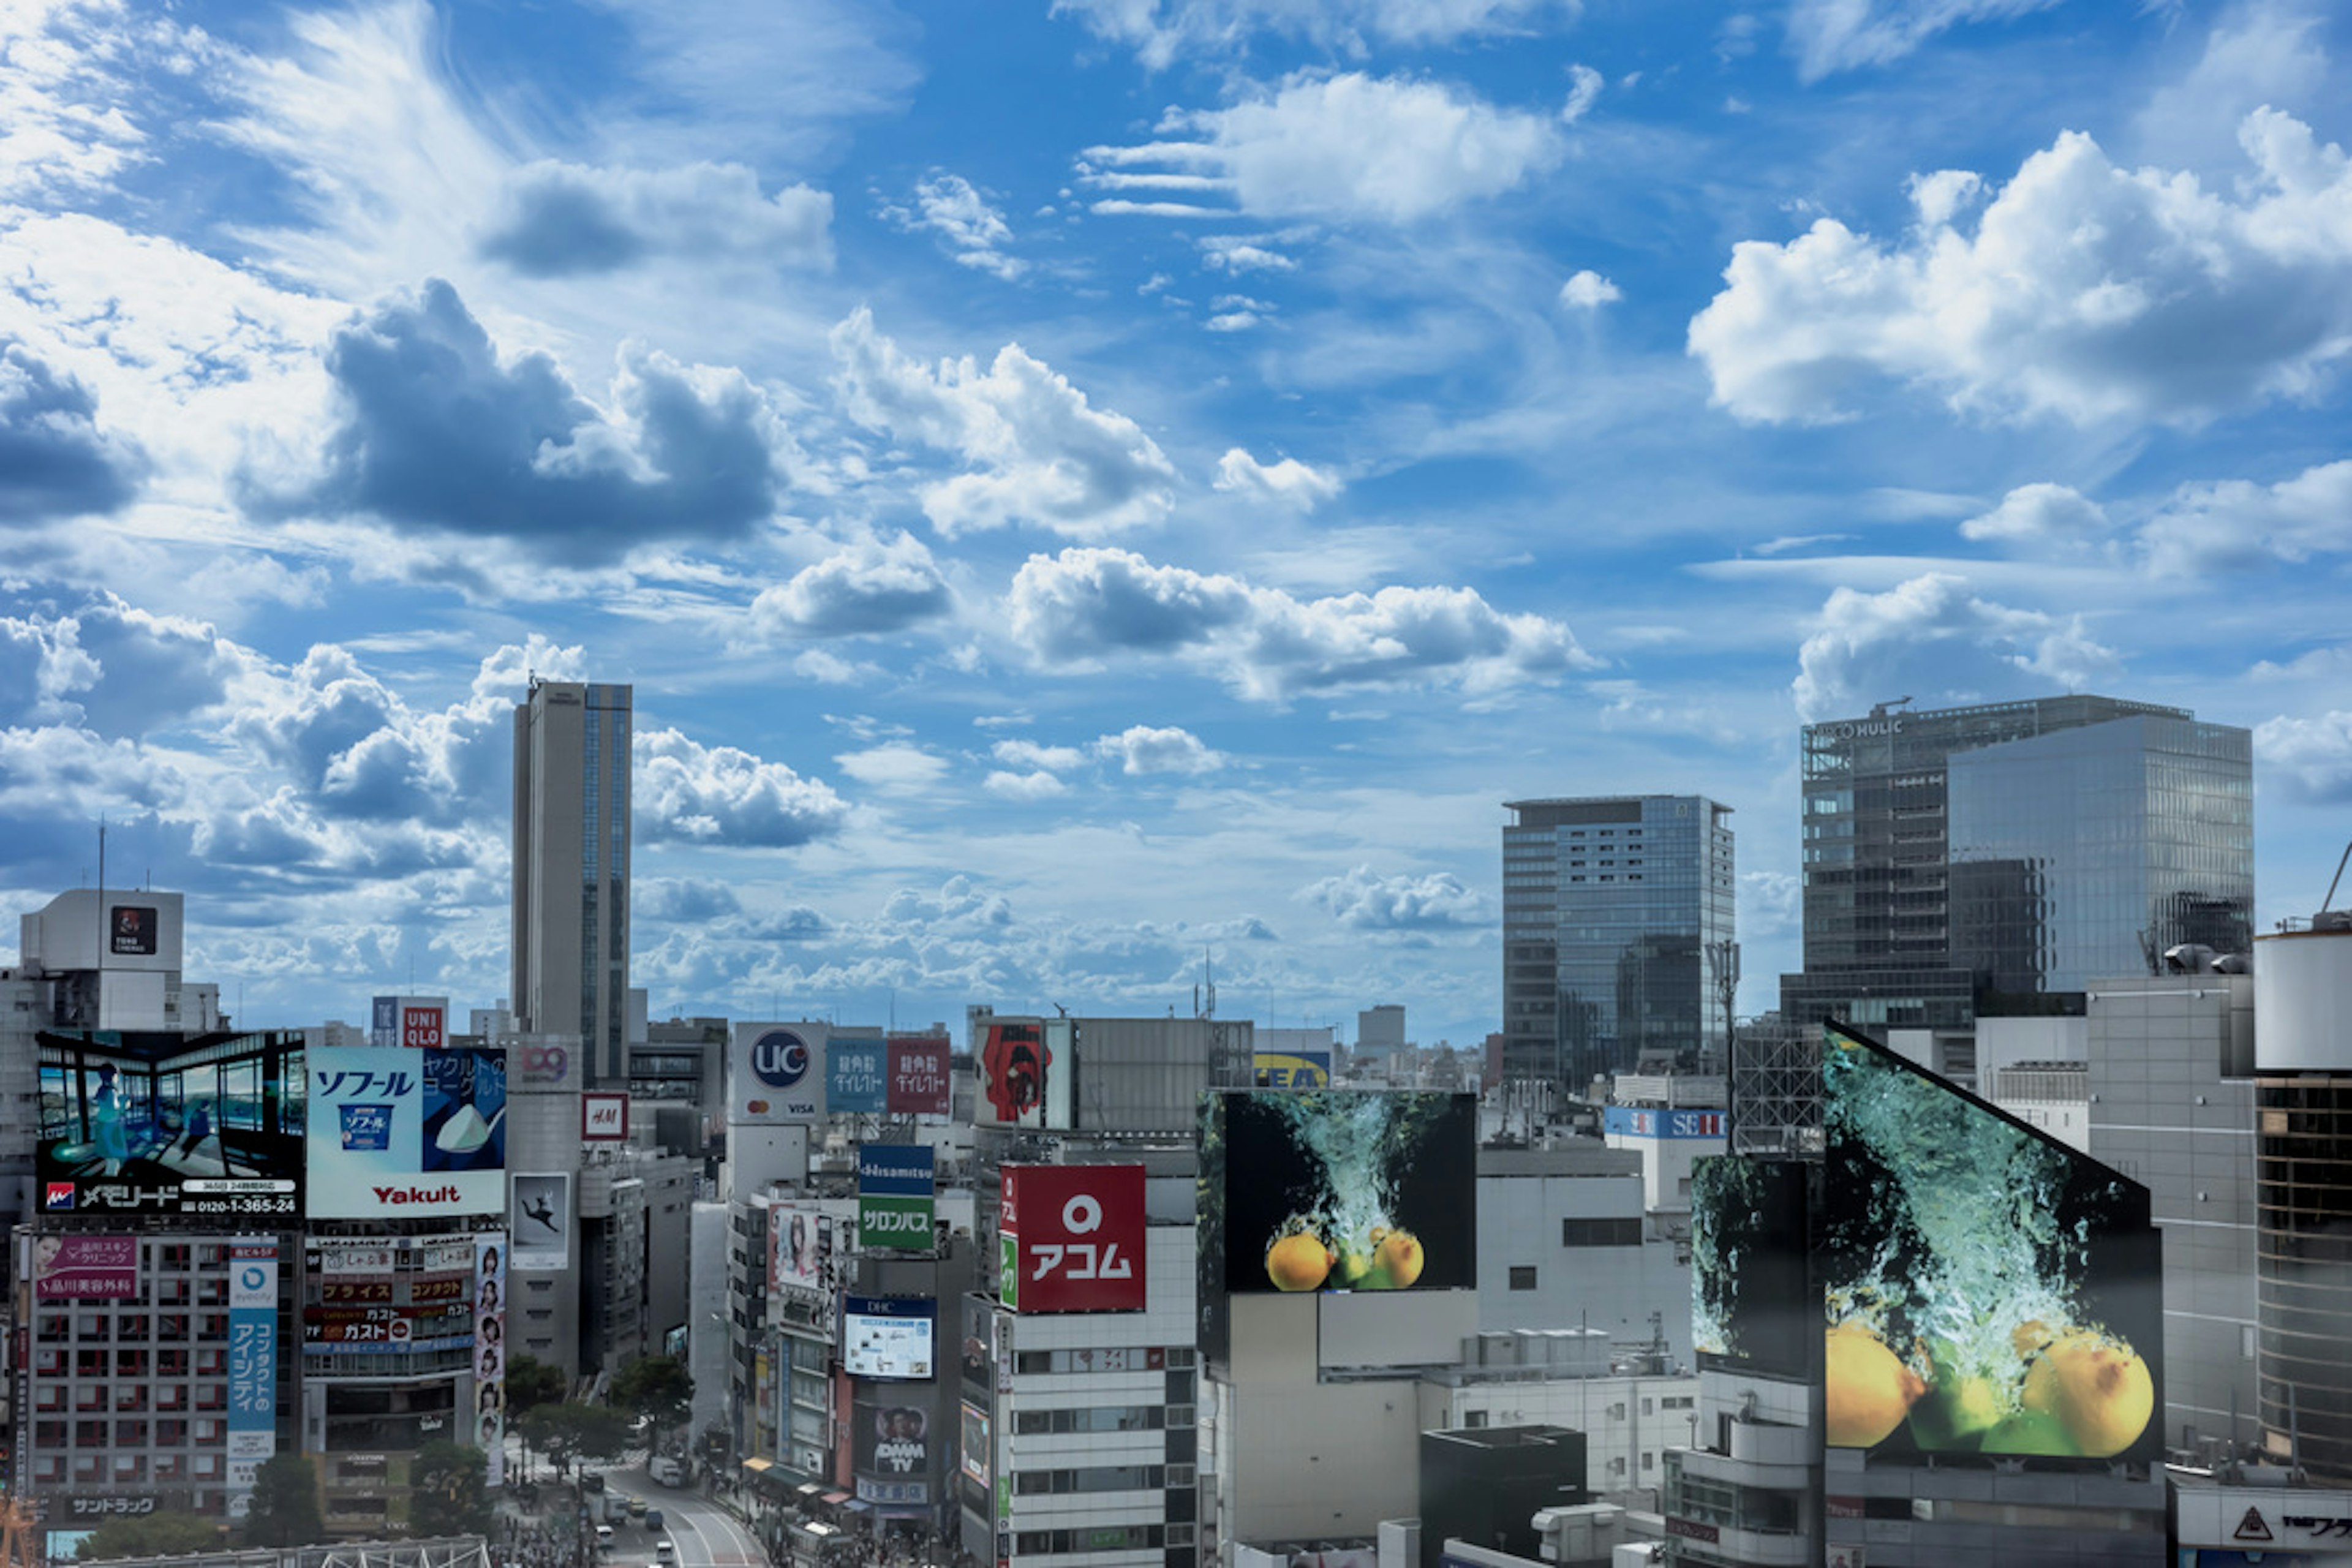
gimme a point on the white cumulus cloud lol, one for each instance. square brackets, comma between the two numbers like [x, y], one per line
[1588, 291]
[2312, 755]
[1351, 146]
[2084, 291]
[2239, 523]
[718, 795]
[1040, 453]
[1087, 604]
[2040, 516]
[1933, 639]
[1366, 900]
[1288, 481]
[867, 587]
[1140, 748]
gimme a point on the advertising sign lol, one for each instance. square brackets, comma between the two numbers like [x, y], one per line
[891, 1454]
[1340, 1190]
[490, 1261]
[855, 1076]
[1291, 1069]
[1752, 1301]
[540, 1223]
[887, 1336]
[150, 1124]
[894, 1188]
[410, 1023]
[1070, 1238]
[1027, 1070]
[252, 1350]
[1989, 1291]
[603, 1118]
[775, 1074]
[132, 930]
[544, 1064]
[919, 1076]
[974, 1452]
[792, 1258]
[412, 1134]
[85, 1268]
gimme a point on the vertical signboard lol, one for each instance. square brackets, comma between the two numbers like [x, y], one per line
[1026, 1073]
[409, 1023]
[252, 1360]
[540, 1223]
[1070, 1238]
[411, 1134]
[919, 1076]
[490, 1257]
[894, 1191]
[855, 1071]
[133, 927]
[775, 1074]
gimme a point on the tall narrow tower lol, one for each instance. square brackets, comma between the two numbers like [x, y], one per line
[572, 868]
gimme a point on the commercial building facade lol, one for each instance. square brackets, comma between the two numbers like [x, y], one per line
[572, 848]
[1618, 914]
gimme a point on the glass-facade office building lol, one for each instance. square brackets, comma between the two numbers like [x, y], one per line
[1617, 911]
[1998, 857]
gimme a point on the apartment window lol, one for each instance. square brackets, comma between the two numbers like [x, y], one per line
[1600, 1233]
[1523, 1277]
[1474, 1418]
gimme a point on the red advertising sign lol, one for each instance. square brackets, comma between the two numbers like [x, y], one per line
[86, 1268]
[424, 1028]
[1072, 1238]
[918, 1076]
[603, 1118]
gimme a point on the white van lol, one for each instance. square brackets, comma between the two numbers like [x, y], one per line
[665, 1470]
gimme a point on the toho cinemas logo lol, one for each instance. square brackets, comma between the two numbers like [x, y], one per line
[399, 1196]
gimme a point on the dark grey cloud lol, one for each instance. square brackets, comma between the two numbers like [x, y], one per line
[436, 433]
[54, 460]
[563, 220]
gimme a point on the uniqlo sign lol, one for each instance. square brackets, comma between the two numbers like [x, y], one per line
[424, 1028]
[1070, 1238]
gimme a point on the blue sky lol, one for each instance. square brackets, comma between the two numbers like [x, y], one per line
[1079, 487]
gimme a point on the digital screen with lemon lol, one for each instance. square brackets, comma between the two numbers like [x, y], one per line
[1990, 1289]
[1343, 1190]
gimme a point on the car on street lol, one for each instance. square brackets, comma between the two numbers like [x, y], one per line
[637, 1508]
[652, 1518]
[664, 1551]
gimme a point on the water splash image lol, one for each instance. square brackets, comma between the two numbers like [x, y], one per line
[1949, 1231]
[1364, 1143]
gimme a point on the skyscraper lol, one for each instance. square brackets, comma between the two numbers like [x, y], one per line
[572, 869]
[1999, 857]
[1616, 912]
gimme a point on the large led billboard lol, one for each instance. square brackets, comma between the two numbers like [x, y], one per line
[1028, 1069]
[1990, 1289]
[411, 1133]
[1070, 1238]
[1753, 1302]
[888, 1338]
[166, 1123]
[1340, 1190]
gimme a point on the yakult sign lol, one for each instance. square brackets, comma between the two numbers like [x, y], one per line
[1070, 1238]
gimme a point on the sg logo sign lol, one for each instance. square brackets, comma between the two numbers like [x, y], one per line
[1082, 1215]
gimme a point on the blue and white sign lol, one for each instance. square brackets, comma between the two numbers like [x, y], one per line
[252, 1350]
[776, 1074]
[1624, 1120]
[896, 1170]
[856, 1077]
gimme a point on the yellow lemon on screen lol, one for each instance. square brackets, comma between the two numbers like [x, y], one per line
[2097, 1387]
[1399, 1256]
[1298, 1261]
[2031, 1432]
[1869, 1391]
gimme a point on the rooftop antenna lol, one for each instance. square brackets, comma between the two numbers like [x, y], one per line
[2325, 904]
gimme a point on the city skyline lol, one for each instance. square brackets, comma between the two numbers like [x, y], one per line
[1160, 527]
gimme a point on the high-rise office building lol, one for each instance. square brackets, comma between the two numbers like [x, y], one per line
[1999, 857]
[1617, 920]
[572, 869]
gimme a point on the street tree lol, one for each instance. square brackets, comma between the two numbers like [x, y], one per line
[448, 1489]
[284, 1503]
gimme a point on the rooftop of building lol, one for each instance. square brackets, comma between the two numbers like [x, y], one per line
[1581, 1158]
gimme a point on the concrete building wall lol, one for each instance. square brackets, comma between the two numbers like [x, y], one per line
[2163, 1113]
[1596, 1262]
